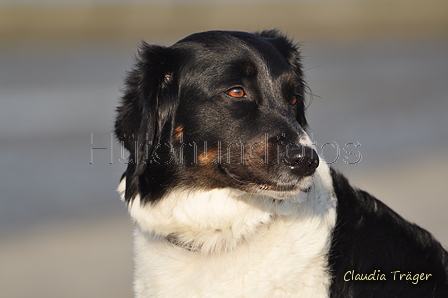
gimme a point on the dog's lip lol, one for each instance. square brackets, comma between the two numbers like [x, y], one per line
[262, 186]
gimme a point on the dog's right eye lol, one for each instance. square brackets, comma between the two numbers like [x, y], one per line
[236, 92]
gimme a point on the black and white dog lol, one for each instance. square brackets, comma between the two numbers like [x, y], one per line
[228, 195]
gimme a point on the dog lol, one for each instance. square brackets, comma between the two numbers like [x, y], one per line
[229, 196]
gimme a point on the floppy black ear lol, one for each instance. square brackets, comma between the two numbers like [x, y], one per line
[146, 107]
[290, 51]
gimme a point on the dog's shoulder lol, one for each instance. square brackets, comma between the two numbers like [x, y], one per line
[370, 238]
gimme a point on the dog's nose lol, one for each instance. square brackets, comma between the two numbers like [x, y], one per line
[302, 161]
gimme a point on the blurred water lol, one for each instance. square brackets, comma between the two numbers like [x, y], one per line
[391, 98]
[52, 102]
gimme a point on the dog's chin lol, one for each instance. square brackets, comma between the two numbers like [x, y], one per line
[276, 190]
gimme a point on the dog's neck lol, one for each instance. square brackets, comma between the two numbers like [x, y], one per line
[176, 240]
[219, 220]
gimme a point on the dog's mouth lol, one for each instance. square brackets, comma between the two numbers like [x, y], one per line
[247, 184]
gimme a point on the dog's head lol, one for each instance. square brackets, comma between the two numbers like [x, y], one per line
[217, 109]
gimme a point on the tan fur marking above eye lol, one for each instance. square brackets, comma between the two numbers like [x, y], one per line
[250, 69]
[291, 81]
[179, 131]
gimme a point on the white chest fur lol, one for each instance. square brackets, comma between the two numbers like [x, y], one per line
[248, 245]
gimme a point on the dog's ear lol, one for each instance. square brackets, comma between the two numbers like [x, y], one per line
[147, 105]
[291, 53]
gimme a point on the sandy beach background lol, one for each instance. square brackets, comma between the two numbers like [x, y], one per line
[378, 112]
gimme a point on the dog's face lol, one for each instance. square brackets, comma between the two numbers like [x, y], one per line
[215, 110]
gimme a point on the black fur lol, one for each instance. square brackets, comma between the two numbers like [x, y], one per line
[176, 116]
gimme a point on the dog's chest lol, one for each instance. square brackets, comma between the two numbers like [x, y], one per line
[284, 260]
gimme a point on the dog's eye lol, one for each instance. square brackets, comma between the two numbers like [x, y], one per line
[236, 92]
[293, 101]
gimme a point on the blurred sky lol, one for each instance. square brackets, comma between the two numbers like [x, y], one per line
[378, 73]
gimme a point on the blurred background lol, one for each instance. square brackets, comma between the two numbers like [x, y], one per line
[378, 74]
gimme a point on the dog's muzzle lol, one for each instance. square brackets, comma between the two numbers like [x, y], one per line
[303, 161]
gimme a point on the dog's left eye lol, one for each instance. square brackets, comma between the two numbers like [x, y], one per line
[236, 92]
[293, 101]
